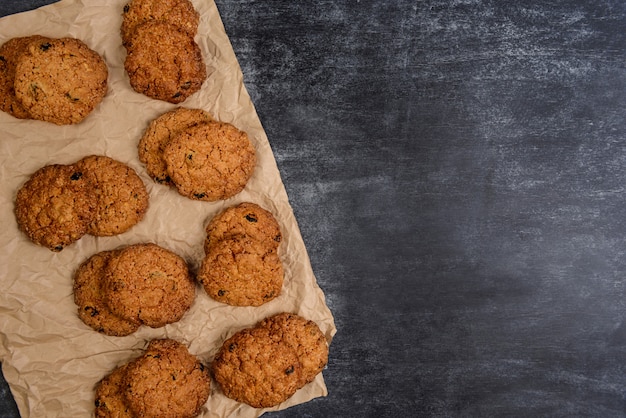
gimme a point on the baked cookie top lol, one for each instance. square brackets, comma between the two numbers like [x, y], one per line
[210, 161]
[92, 308]
[167, 382]
[241, 271]
[158, 135]
[9, 53]
[305, 337]
[179, 13]
[254, 368]
[163, 62]
[122, 198]
[247, 219]
[60, 80]
[149, 284]
[55, 206]
[110, 396]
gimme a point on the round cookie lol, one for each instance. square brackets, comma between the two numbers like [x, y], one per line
[163, 62]
[9, 53]
[179, 13]
[246, 218]
[110, 398]
[240, 271]
[92, 308]
[158, 135]
[254, 368]
[55, 206]
[122, 198]
[305, 337]
[210, 161]
[167, 382]
[60, 80]
[149, 284]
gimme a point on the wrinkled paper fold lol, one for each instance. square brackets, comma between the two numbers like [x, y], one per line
[53, 361]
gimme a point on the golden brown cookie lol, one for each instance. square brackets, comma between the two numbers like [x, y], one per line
[158, 135]
[149, 284]
[122, 198]
[305, 337]
[9, 53]
[166, 382]
[210, 161]
[241, 271]
[163, 62]
[180, 13]
[110, 395]
[254, 368]
[92, 308]
[55, 206]
[247, 219]
[60, 80]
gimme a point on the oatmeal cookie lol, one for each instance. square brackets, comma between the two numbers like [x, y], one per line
[246, 218]
[122, 198]
[179, 13]
[60, 80]
[254, 368]
[110, 395]
[92, 308]
[241, 271]
[210, 161]
[305, 337]
[55, 207]
[9, 52]
[163, 62]
[166, 382]
[158, 135]
[149, 284]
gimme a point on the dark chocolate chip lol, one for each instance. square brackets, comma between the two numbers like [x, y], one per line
[221, 292]
[250, 218]
[199, 195]
[289, 370]
[76, 176]
[45, 47]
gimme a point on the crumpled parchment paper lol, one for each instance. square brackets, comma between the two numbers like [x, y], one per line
[53, 361]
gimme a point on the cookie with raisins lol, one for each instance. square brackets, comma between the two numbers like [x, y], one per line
[55, 206]
[60, 80]
[179, 13]
[210, 161]
[122, 197]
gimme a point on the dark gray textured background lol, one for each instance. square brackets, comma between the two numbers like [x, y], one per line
[458, 171]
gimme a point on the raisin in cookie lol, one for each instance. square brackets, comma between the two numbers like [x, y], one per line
[92, 308]
[305, 337]
[210, 161]
[110, 395]
[158, 135]
[60, 80]
[163, 62]
[254, 368]
[9, 52]
[149, 284]
[122, 198]
[166, 382]
[179, 13]
[247, 219]
[55, 207]
[241, 271]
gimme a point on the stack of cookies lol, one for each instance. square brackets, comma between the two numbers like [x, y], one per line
[202, 158]
[57, 80]
[265, 365]
[163, 60]
[142, 284]
[242, 266]
[166, 381]
[96, 195]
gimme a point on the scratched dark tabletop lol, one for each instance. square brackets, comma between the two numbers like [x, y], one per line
[458, 171]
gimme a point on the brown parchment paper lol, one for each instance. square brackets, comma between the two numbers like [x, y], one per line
[51, 360]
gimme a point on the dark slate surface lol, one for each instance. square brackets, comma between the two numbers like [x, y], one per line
[458, 171]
